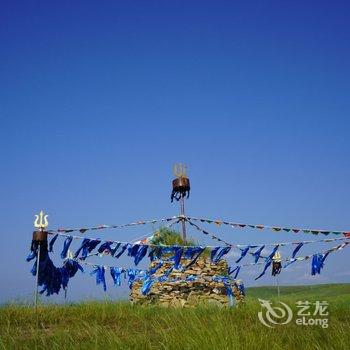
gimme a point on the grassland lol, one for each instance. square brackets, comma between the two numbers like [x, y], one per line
[100, 325]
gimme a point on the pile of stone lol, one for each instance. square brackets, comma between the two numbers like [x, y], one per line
[181, 293]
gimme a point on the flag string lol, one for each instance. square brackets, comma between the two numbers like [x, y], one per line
[235, 225]
[102, 227]
[281, 244]
[273, 228]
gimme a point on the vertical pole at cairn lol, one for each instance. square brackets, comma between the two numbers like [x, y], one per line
[181, 189]
[39, 243]
[183, 223]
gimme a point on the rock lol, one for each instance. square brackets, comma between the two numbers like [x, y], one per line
[181, 293]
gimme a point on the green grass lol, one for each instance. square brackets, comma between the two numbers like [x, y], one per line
[99, 325]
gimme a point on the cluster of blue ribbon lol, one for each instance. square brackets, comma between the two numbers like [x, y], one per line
[139, 251]
[50, 277]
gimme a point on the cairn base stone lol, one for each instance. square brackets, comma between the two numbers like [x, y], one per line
[180, 293]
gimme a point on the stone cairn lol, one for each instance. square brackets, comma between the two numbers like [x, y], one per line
[181, 293]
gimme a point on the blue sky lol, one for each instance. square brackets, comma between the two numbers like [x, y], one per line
[99, 99]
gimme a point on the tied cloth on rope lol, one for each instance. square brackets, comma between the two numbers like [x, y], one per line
[122, 250]
[116, 273]
[232, 270]
[134, 274]
[227, 284]
[105, 248]
[52, 242]
[243, 253]
[193, 253]
[69, 269]
[257, 254]
[66, 244]
[268, 261]
[99, 271]
[86, 247]
[317, 263]
[177, 257]
[50, 277]
[218, 252]
[138, 252]
[295, 251]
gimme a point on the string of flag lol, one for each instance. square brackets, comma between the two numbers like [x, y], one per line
[139, 251]
[281, 244]
[317, 263]
[236, 225]
[103, 227]
[273, 228]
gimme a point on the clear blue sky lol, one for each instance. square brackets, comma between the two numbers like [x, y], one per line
[99, 99]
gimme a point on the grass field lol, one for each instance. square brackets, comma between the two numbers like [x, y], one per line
[99, 325]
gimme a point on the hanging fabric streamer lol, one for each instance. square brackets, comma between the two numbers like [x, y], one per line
[66, 245]
[68, 270]
[105, 247]
[157, 252]
[177, 257]
[193, 253]
[146, 286]
[122, 250]
[267, 264]
[295, 251]
[219, 254]
[113, 250]
[52, 242]
[116, 273]
[153, 254]
[32, 255]
[317, 263]
[243, 253]
[50, 277]
[90, 247]
[132, 275]
[290, 262]
[274, 250]
[140, 254]
[213, 253]
[228, 287]
[99, 271]
[83, 246]
[231, 271]
[132, 249]
[257, 253]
